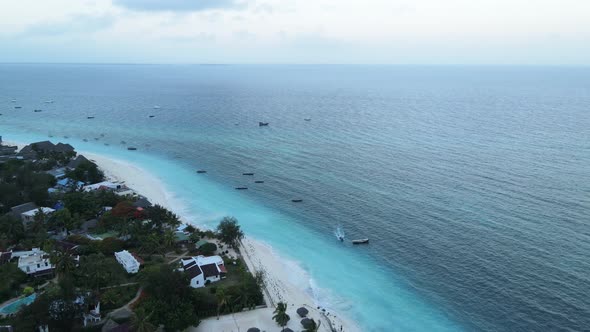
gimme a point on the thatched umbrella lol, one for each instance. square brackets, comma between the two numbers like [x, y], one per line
[306, 322]
[253, 329]
[302, 312]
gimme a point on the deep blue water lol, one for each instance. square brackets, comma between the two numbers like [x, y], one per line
[473, 183]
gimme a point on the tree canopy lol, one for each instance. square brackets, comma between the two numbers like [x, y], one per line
[229, 231]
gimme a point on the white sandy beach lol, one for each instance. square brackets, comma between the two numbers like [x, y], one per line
[281, 284]
[258, 256]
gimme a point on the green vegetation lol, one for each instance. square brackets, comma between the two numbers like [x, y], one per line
[169, 300]
[166, 298]
[312, 326]
[280, 315]
[86, 172]
[12, 277]
[229, 231]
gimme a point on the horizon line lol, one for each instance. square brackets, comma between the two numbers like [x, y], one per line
[295, 64]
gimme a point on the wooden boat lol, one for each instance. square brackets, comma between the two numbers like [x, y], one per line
[90, 117]
[37, 111]
[360, 241]
[262, 124]
[17, 107]
[131, 148]
[151, 116]
[241, 188]
[307, 119]
[247, 173]
[296, 200]
[258, 181]
[201, 171]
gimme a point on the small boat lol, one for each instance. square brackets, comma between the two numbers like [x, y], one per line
[106, 144]
[66, 136]
[258, 181]
[85, 140]
[96, 138]
[307, 119]
[50, 135]
[49, 102]
[296, 200]
[14, 100]
[262, 124]
[247, 173]
[17, 107]
[151, 116]
[101, 135]
[241, 188]
[123, 142]
[131, 148]
[201, 171]
[156, 107]
[90, 117]
[360, 241]
[37, 111]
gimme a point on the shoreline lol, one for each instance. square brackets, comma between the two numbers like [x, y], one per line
[257, 254]
[280, 285]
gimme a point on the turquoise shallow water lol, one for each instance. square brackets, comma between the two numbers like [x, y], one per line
[16, 305]
[472, 182]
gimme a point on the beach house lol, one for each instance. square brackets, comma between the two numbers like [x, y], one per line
[202, 270]
[34, 262]
[129, 261]
[29, 216]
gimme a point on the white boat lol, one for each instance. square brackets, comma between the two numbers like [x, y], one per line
[360, 241]
[49, 101]
[156, 107]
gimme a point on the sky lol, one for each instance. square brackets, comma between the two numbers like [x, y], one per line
[531, 32]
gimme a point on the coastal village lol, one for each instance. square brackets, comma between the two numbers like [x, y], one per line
[83, 252]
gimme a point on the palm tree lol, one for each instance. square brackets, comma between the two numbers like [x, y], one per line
[63, 261]
[141, 321]
[280, 315]
[168, 239]
[222, 300]
[313, 326]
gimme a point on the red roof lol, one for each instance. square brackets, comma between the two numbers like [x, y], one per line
[222, 268]
[138, 258]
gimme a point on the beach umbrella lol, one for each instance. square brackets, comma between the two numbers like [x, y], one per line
[302, 312]
[253, 329]
[306, 322]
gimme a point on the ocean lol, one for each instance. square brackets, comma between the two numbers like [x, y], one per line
[472, 183]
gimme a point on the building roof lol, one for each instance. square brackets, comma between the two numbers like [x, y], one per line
[181, 236]
[64, 245]
[210, 270]
[5, 257]
[193, 271]
[17, 210]
[200, 243]
[142, 202]
[76, 162]
[63, 147]
[33, 212]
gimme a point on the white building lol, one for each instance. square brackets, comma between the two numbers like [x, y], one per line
[29, 216]
[107, 185]
[129, 261]
[203, 269]
[35, 262]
